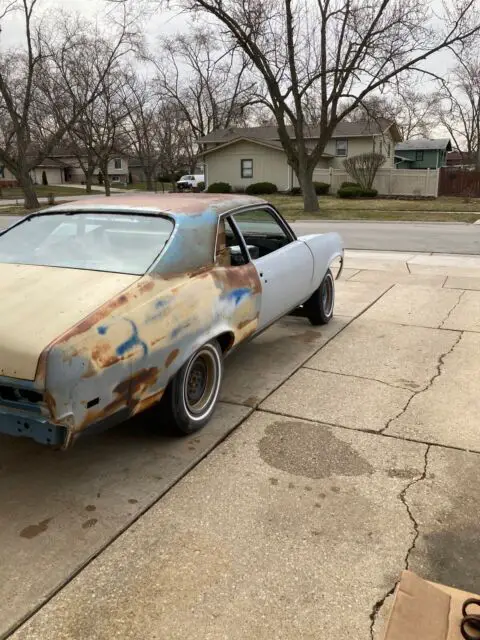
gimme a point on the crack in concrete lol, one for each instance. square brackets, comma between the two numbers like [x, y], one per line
[462, 293]
[416, 532]
[352, 375]
[437, 374]
[408, 268]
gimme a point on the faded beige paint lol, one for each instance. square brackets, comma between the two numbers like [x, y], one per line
[41, 303]
[361, 144]
[269, 165]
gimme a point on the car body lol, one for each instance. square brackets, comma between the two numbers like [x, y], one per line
[190, 181]
[105, 306]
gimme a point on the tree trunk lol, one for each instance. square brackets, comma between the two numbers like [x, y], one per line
[305, 178]
[149, 179]
[25, 183]
[89, 179]
[106, 179]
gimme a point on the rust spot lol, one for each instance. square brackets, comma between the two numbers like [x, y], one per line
[50, 402]
[171, 358]
[103, 356]
[146, 403]
[245, 323]
[140, 380]
[146, 285]
[157, 340]
[35, 530]
[235, 277]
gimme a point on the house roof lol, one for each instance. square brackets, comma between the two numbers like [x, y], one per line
[270, 134]
[423, 144]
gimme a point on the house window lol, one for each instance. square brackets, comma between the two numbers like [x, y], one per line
[246, 168]
[389, 149]
[341, 148]
[2, 172]
[118, 163]
[418, 156]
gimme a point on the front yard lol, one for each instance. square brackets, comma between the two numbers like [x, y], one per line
[441, 209]
[41, 191]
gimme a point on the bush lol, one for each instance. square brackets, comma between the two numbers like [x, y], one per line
[355, 191]
[261, 188]
[295, 191]
[349, 184]
[201, 186]
[44, 179]
[321, 188]
[219, 187]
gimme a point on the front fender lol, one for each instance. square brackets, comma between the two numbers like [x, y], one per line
[325, 248]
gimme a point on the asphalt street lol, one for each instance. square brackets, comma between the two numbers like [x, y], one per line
[425, 237]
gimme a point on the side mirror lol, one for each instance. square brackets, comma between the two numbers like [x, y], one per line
[253, 251]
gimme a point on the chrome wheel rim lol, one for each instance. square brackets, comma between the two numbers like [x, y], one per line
[328, 295]
[201, 382]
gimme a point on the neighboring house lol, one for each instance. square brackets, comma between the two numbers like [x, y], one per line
[241, 156]
[460, 160]
[422, 153]
[63, 167]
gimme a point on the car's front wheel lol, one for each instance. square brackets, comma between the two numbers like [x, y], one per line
[193, 392]
[319, 308]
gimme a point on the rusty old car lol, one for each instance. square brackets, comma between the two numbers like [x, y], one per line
[110, 309]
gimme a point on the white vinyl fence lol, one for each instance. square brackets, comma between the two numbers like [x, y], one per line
[389, 182]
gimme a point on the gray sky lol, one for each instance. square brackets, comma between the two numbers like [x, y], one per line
[162, 22]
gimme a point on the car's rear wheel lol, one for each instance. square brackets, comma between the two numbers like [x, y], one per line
[193, 392]
[319, 308]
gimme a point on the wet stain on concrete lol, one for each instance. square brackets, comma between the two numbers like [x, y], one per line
[273, 481]
[90, 507]
[311, 451]
[88, 524]
[253, 401]
[34, 530]
[133, 501]
[403, 474]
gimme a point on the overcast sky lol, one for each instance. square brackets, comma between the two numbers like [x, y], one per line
[161, 22]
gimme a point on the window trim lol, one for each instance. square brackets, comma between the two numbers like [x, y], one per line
[418, 153]
[242, 168]
[341, 155]
[119, 160]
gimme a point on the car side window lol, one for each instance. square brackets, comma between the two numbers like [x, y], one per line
[261, 231]
[230, 250]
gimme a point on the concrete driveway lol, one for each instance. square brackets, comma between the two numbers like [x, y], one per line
[355, 455]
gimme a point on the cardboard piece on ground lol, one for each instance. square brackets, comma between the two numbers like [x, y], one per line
[424, 610]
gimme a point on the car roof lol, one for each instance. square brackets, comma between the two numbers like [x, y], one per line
[171, 203]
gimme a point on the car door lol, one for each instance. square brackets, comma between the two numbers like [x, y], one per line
[284, 264]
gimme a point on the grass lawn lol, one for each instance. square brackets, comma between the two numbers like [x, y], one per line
[9, 194]
[142, 186]
[439, 210]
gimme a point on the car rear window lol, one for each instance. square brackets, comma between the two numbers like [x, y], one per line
[118, 243]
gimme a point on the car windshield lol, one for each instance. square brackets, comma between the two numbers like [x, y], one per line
[118, 243]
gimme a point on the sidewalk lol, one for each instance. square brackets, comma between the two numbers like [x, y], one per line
[356, 456]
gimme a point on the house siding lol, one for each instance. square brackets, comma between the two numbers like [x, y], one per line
[432, 158]
[361, 144]
[269, 165]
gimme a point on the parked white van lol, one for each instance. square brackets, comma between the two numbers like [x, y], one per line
[190, 181]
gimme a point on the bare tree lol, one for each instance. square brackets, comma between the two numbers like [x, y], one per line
[39, 81]
[173, 138]
[414, 112]
[208, 77]
[459, 109]
[336, 49]
[363, 168]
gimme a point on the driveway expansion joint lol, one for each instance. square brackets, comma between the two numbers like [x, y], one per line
[442, 324]
[416, 532]
[438, 373]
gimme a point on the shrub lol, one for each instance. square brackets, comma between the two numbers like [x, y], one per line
[44, 178]
[261, 188]
[100, 177]
[219, 187]
[295, 191]
[349, 192]
[321, 188]
[363, 168]
[349, 184]
[354, 191]
[201, 186]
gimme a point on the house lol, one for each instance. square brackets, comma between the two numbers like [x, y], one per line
[422, 153]
[241, 156]
[63, 167]
[461, 159]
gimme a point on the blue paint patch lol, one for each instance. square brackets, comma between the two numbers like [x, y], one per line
[178, 330]
[102, 330]
[159, 304]
[133, 341]
[237, 295]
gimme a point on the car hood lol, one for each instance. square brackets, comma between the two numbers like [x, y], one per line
[38, 304]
